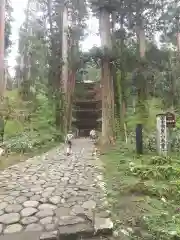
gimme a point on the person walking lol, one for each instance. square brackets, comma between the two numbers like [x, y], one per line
[68, 141]
[92, 134]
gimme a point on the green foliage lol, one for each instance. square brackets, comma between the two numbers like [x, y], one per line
[160, 160]
[12, 128]
[28, 141]
[155, 107]
[143, 193]
[31, 125]
[43, 117]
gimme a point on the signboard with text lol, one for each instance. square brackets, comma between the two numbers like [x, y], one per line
[170, 120]
[161, 134]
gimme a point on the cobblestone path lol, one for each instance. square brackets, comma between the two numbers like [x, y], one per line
[54, 194]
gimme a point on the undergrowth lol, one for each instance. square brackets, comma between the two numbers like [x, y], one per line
[143, 194]
[29, 126]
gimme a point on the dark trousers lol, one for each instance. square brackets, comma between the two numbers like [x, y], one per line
[69, 143]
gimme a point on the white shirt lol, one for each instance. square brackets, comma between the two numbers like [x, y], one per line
[92, 133]
[69, 137]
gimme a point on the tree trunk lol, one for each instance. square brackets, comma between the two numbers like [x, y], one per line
[65, 49]
[141, 83]
[141, 41]
[106, 80]
[73, 46]
[55, 73]
[25, 85]
[178, 29]
[71, 86]
[116, 81]
[65, 66]
[2, 32]
[122, 82]
[178, 42]
[52, 47]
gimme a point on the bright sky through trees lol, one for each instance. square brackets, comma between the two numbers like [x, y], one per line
[18, 15]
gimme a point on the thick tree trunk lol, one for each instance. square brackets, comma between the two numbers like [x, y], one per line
[25, 85]
[141, 86]
[71, 86]
[178, 28]
[65, 66]
[51, 75]
[55, 73]
[2, 29]
[178, 53]
[116, 81]
[65, 49]
[141, 41]
[122, 82]
[178, 42]
[73, 47]
[106, 81]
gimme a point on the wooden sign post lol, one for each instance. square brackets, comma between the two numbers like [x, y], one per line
[170, 120]
[161, 134]
[164, 124]
[170, 124]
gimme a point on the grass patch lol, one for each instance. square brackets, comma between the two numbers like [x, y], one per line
[143, 194]
[12, 128]
[14, 158]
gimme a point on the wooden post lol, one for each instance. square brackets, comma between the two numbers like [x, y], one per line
[2, 46]
[139, 139]
[161, 134]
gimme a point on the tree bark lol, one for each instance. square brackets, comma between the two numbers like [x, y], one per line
[106, 80]
[2, 46]
[55, 73]
[141, 41]
[71, 86]
[141, 80]
[122, 82]
[25, 85]
[65, 49]
[65, 66]
[177, 29]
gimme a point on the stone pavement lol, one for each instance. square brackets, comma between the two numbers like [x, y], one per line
[54, 195]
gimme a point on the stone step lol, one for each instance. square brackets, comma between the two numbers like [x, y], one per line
[54, 236]
[71, 229]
